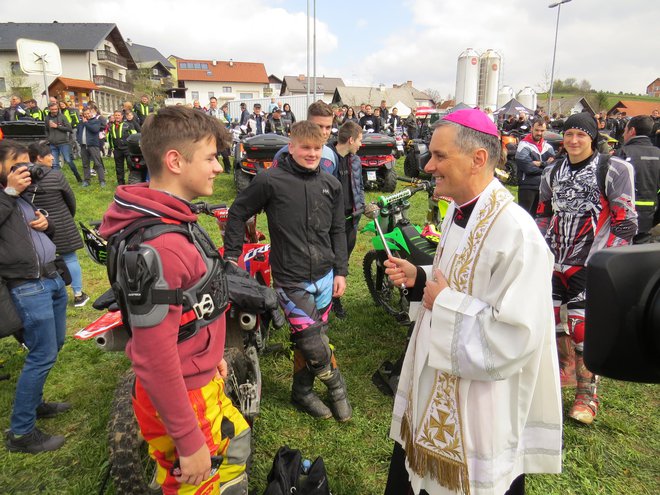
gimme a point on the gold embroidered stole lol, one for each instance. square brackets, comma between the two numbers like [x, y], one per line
[435, 448]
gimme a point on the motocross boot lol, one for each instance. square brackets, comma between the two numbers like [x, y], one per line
[302, 390]
[338, 396]
[237, 486]
[586, 401]
[566, 352]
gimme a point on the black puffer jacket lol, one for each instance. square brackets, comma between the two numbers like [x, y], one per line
[53, 194]
[18, 257]
[305, 210]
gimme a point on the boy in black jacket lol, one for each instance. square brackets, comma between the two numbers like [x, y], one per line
[305, 210]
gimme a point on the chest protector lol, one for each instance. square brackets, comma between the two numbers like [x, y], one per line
[135, 272]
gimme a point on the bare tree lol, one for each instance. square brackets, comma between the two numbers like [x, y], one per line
[434, 94]
[18, 83]
[544, 85]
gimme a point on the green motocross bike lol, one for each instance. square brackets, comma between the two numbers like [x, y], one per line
[403, 239]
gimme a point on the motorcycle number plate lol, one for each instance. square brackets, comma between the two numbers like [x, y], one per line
[371, 175]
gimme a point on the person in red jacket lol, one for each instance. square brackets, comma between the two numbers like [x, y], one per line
[179, 398]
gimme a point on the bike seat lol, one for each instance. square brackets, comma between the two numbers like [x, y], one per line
[105, 301]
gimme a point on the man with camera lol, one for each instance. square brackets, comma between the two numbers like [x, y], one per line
[27, 264]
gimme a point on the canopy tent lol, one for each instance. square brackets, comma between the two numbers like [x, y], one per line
[403, 110]
[460, 106]
[513, 107]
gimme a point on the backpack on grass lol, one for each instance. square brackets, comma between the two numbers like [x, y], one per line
[287, 475]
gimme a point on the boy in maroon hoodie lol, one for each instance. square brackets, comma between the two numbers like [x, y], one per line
[179, 398]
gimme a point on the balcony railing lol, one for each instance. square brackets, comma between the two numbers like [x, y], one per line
[109, 82]
[108, 56]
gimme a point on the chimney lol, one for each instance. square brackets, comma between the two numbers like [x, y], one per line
[129, 42]
[381, 87]
[301, 77]
[409, 83]
[214, 62]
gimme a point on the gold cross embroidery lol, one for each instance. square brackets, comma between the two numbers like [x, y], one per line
[442, 427]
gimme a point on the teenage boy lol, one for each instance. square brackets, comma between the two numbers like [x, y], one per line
[305, 210]
[349, 140]
[586, 203]
[179, 398]
[321, 114]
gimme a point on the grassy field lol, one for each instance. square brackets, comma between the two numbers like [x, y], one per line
[618, 454]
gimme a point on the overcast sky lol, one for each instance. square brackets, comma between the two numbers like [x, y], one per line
[613, 44]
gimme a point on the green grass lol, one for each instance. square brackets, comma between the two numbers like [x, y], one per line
[618, 454]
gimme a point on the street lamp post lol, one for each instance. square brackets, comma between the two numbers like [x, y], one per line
[554, 52]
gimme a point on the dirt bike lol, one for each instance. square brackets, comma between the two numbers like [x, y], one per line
[404, 240]
[247, 327]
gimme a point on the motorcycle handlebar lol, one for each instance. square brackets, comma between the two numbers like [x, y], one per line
[356, 213]
[416, 182]
[207, 208]
[419, 185]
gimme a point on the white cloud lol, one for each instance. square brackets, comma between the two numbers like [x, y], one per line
[614, 45]
[599, 41]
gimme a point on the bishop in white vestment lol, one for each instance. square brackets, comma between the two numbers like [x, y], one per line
[479, 401]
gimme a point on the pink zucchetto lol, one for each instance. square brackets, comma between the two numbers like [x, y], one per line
[473, 119]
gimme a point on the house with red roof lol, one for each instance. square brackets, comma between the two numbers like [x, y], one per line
[634, 107]
[225, 79]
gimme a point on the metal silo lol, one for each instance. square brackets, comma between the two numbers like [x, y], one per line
[527, 97]
[490, 65]
[504, 95]
[467, 77]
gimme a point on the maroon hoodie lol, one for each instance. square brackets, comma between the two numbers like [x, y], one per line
[165, 369]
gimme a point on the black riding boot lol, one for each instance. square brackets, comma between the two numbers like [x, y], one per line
[302, 390]
[338, 395]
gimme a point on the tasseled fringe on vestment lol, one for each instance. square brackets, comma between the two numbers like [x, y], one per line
[445, 472]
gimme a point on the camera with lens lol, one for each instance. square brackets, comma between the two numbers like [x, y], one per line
[36, 172]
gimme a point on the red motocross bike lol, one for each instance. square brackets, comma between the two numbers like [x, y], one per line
[253, 307]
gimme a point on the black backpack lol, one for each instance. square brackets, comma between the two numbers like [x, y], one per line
[286, 476]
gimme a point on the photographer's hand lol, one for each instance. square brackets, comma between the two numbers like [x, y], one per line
[19, 179]
[40, 223]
